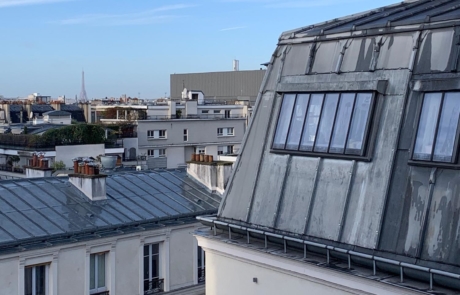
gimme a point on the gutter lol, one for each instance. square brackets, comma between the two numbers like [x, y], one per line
[213, 222]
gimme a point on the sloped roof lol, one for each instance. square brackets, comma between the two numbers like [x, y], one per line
[57, 113]
[52, 208]
[402, 14]
[41, 108]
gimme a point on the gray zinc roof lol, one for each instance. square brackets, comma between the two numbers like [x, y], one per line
[402, 14]
[46, 209]
[57, 113]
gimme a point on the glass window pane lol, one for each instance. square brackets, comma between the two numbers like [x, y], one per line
[155, 266]
[342, 122]
[146, 268]
[155, 249]
[327, 122]
[28, 281]
[40, 280]
[427, 125]
[146, 250]
[199, 256]
[358, 123]
[311, 123]
[447, 130]
[297, 120]
[101, 270]
[92, 272]
[283, 121]
[146, 285]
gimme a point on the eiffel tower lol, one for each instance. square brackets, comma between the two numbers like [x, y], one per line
[83, 97]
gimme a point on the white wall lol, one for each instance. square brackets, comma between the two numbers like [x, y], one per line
[9, 276]
[230, 269]
[175, 156]
[69, 264]
[66, 153]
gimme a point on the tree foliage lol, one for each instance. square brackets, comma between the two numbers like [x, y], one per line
[74, 134]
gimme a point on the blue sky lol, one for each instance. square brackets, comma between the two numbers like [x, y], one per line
[132, 46]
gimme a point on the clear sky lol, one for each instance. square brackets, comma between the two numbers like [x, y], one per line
[132, 46]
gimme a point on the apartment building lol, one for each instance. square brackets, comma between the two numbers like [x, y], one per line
[174, 132]
[127, 233]
[347, 181]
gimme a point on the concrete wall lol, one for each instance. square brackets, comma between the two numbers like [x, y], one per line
[67, 152]
[69, 264]
[213, 176]
[176, 156]
[36, 173]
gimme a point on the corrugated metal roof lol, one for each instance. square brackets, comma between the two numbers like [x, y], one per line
[405, 13]
[47, 208]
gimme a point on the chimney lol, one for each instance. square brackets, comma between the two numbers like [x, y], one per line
[56, 105]
[87, 179]
[38, 166]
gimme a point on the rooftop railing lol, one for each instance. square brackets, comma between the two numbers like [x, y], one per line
[154, 286]
[195, 117]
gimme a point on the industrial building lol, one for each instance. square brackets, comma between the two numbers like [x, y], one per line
[347, 181]
[219, 86]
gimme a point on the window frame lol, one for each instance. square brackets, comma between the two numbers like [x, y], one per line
[225, 131]
[98, 289]
[33, 279]
[370, 130]
[151, 153]
[151, 134]
[455, 163]
[150, 267]
[185, 135]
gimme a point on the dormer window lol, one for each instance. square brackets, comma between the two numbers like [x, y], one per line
[324, 123]
[437, 129]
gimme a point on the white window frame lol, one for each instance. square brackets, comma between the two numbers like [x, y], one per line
[226, 131]
[156, 153]
[201, 150]
[185, 134]
[150, 255]
[225, 149]
[34, 282]
[96, 273]
[157, 134]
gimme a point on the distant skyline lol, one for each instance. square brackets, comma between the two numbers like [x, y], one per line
[132, 46]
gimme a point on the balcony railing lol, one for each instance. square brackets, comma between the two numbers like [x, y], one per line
[101, 293]
[154, 286]
[11, 169]
[198, 116]
[201, 274]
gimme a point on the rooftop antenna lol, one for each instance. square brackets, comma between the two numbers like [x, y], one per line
[83, 97]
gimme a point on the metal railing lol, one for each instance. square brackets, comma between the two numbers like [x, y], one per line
[101, 293]
[201, 274]
[155, 286]
[11, 169]
[132, 134]
[198, 116]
